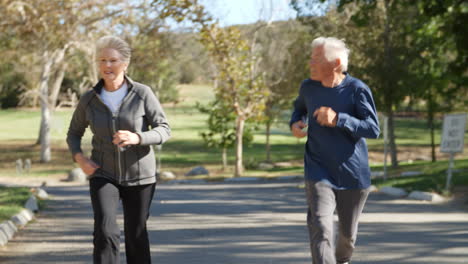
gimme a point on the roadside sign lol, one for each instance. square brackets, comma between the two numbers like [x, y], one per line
[453, 133]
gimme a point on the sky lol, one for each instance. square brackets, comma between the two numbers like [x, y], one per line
[233, 12]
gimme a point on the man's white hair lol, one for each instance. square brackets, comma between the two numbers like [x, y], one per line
[333, 49]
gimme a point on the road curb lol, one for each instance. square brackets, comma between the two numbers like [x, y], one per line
[414, 195]
[426, 196]
[391, 191]
[233, 180]
[18, 221]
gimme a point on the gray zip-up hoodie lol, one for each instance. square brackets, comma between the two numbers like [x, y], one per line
[140, 110]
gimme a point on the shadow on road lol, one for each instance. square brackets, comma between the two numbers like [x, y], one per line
[255, 222]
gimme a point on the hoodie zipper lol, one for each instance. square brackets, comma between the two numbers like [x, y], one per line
[119, 149]
[114, 129]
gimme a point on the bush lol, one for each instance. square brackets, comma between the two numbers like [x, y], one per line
[11, 86]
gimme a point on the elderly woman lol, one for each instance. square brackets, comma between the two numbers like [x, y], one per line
[125, 118]
[341, 113]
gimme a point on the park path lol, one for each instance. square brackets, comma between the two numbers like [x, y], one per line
[244, 222]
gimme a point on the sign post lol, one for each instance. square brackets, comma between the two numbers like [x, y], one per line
[385, 132]
[453, 133]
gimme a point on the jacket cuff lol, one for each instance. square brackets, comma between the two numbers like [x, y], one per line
[149, 137]
[342, 121]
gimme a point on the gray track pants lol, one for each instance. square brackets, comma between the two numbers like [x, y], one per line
[322, 201]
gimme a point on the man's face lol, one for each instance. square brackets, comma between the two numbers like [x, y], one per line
[320, 67]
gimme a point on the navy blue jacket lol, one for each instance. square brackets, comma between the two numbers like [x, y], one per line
[338, 155]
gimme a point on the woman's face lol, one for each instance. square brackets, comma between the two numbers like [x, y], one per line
[111, 65]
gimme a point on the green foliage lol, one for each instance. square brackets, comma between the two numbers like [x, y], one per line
[405, 57]
[150, 65]
[190, 59]
[240, 86]
[283, 48]
[221, 132]
[445, 21]
[421, 58]
[11, 87]
[187, 73]
[44, 30]
[441, 68]
[251, 163]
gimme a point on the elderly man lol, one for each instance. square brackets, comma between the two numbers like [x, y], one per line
[341, 113]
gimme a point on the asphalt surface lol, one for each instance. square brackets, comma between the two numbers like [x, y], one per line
[244, 222]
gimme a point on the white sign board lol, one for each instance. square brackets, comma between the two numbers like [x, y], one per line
[453, 133]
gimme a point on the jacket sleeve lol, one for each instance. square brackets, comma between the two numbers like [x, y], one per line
[300, 109]
[365, 123]
[154, 113]
[77, 128]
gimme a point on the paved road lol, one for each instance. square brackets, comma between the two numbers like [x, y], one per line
[242, 223]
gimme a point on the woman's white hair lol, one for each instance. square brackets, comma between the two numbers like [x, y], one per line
[113, 42]
[333, 49]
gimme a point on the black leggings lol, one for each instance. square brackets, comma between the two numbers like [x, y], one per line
[136, 202]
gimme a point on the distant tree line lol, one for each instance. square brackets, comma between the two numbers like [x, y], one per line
[413, 55]
[413, 51]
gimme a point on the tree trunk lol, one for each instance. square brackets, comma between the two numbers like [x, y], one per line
[389, 86]
[239, 168]
[45, 139]
[267, 144]
[41, 129]
[430, 121]
[59, 74]
[391, 137]
[93, 71]
[49, 61]
[45, 109]
[224, 159]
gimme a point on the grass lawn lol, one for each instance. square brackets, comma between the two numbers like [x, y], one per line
[433, 176]
[12, 200]
[185, 150]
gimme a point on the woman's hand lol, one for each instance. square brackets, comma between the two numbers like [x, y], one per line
[124, 138]
[88, 166]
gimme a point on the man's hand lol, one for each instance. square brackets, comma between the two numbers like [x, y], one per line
[326, 116]
[88, 166]
[124, 138]
[296, 129]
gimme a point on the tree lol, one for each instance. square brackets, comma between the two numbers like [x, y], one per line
[445, 22]
[435, 40]
[242, 87]
[12, 81]
[284, 49]
[50, 29]
[151, 50]
[441, 67]
[53, 31]
[376, 31]
[221, 132]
